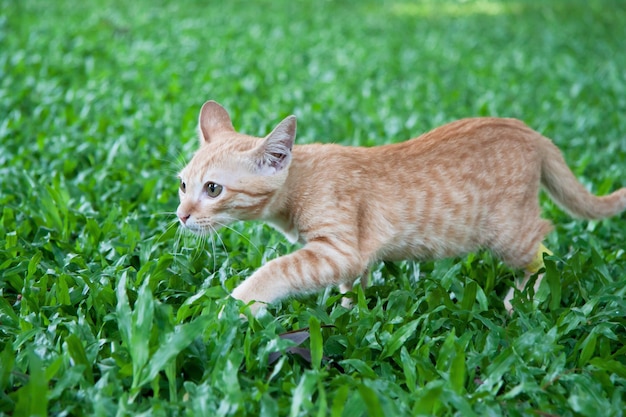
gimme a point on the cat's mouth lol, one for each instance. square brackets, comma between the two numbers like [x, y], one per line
[197, 228]
[200, 228]
[194, 228]
[200, 224]
[192, 223]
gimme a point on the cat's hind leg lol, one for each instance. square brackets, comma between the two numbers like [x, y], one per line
[346, 287]
[532, 268]
[518, 244]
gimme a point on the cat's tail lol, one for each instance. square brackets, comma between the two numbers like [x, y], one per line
[569, 193]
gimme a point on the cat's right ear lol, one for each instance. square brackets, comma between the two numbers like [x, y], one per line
[213, 119]
[274, 153]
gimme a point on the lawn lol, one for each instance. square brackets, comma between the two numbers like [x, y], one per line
[106, 308]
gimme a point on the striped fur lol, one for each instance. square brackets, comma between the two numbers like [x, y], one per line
[468, 185]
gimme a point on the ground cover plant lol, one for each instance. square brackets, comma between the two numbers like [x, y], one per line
[105, 309]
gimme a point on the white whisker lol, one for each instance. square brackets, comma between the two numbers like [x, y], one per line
[217, 235]
[168, 227]
[175, 162]
[242, 235]
[213, 234]
[164, 213]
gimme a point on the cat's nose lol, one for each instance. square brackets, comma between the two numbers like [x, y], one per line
[184, 217]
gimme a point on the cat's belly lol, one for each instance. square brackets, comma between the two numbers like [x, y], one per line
[427, 248]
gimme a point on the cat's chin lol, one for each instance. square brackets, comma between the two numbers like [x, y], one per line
[204, 226]
[200, 230]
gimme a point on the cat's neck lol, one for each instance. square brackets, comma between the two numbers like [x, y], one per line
[297, 207]
[280, 212]
[281, 218]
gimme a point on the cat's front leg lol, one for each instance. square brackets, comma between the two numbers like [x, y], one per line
[314, 267]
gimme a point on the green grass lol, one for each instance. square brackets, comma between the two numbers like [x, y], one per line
[106, 310]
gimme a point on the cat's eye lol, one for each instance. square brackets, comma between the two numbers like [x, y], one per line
[183, 186]
[213, 189]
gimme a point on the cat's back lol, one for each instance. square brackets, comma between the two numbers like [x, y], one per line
[472, 134]
[461, 140]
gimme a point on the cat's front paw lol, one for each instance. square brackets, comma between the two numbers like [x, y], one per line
[256, 307]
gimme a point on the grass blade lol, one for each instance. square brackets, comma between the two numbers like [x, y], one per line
[315, 334]
[303, 393]
[33, 398]
[142, 322]
[77, 353]
[174, 343]
[339, 403]
[469, 295]
[399, 338]
[123, 312]
[371, 400]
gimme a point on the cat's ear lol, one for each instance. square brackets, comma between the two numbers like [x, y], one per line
[274, 153]
[213, 118]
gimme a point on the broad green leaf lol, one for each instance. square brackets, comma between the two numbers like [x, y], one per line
[7, 359]
[62, 291]
[269, 406]
[460, 403]
[173, 344]
[585, 397]
[430, 399]
[123, 312]
[11, 240]
[142, 322]
[457, 370]
[339, 402]
[450, 272]
[553, 277]
[361, 367]
[371, 400]
[303, 392]
[317, 343]
[451, 361]
[587, 348]
[610, 365]
[321, 403]
[7, 314]
[32, 264]
[64, 379]
[469, 295]
[500, 365]
[170, 373]
[399, 337]
[32, 399]
[77, 352]
[410, 369]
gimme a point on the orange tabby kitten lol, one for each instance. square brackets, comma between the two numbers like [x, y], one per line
[464, 186]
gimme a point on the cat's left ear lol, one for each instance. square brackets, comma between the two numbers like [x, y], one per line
[274, 153]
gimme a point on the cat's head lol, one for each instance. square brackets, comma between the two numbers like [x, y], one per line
[232, 176]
